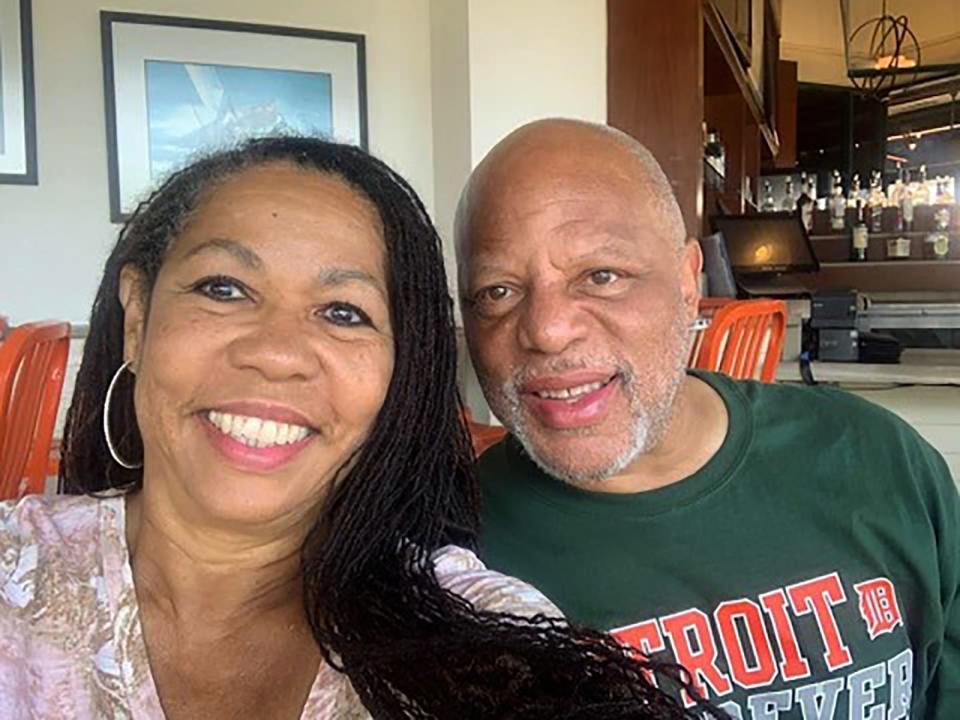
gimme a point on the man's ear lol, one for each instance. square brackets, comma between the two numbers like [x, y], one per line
[133, 299]
[691, 263]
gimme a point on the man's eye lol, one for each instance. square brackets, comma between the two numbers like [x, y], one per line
[346, 315]
[603, 277]
[496, 293]
[222, 289]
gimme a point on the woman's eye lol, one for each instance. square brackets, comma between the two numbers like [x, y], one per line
[603, 277]
[222, 289]
[346, 315]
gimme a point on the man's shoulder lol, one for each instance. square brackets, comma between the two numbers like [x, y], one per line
[829, 422]
[821, 406]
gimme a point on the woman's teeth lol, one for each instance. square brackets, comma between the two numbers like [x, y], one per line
[572, 393]
[256, 432]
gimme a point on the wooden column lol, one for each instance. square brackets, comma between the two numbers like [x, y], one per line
[655, 89]
[787, 115]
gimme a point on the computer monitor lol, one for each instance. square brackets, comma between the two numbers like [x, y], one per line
[766, 245]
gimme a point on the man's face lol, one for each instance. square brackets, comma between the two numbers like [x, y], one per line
[577, 310]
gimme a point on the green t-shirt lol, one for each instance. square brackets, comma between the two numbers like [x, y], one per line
[809, 570]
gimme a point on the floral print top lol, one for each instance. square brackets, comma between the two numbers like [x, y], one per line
[71, 645]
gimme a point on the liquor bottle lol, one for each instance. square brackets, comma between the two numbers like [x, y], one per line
[875, 202]
[907, 201]
[860, 237]
[789, 200]
[898, 247]
[854, 198]
[714, 153]
[896, 191]
[936, 245]
[805, 203]
[768, 205]
[838, 206]
[943, 196]
[923, 190]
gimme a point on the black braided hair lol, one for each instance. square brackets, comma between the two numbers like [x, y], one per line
[410, 648]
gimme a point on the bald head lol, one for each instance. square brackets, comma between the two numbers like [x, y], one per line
[576, 275]
[578, 153]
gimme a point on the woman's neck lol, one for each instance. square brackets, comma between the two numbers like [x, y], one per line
[187, 569]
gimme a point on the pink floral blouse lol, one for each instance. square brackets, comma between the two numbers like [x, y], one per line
[71, 645]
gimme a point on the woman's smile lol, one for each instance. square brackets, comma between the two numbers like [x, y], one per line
[257, 437]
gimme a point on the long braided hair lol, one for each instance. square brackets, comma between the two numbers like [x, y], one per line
[410, 648]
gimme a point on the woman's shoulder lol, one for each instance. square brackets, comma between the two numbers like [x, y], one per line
[461, 572]
[55, 533]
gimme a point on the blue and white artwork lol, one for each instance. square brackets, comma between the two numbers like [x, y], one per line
[193, 108]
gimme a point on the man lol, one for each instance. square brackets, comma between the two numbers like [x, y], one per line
[796, 549]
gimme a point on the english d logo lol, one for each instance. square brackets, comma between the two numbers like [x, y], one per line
[878, 606]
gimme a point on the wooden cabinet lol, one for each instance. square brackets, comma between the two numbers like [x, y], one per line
[672, 70]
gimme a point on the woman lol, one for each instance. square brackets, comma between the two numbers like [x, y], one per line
[276, 486]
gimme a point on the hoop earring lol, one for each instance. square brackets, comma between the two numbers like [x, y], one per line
[106, 422]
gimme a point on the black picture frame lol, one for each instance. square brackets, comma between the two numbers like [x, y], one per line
[108, 19]
[30, 176]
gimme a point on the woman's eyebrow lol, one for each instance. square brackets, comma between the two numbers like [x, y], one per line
[237, 249]
[334, 276]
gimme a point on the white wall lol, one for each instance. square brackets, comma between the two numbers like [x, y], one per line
[54, 237]
[450, 70]
[534, 59]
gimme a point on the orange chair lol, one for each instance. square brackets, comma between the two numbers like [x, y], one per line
[708, 307]
[33, 359]
[744, 339]
[483, 436]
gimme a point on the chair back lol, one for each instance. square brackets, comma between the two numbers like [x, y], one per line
[33, 359]
[744, 340]
[482, 436]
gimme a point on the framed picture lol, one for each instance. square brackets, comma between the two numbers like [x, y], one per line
[18, 124]
[178, 87]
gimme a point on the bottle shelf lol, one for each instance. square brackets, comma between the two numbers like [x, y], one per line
[890, 263]
[913, 275]
[913, 234]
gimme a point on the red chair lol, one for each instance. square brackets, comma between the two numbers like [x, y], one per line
[744, 339]
[33, 359]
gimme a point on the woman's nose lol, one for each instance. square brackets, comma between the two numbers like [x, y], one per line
[277, 346]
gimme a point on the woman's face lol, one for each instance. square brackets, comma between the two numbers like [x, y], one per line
[267, 348]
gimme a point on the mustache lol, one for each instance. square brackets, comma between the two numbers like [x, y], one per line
[530, 371]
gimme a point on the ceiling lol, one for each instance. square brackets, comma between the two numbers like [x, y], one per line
[813, 33]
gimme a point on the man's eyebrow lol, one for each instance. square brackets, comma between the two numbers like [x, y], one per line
[484, 268]
[237, 249]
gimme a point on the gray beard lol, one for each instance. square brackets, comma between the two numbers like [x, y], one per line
[651, 416]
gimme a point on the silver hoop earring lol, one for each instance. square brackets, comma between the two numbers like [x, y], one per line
[106, 422]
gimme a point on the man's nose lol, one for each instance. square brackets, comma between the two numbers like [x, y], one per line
[550, 321]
